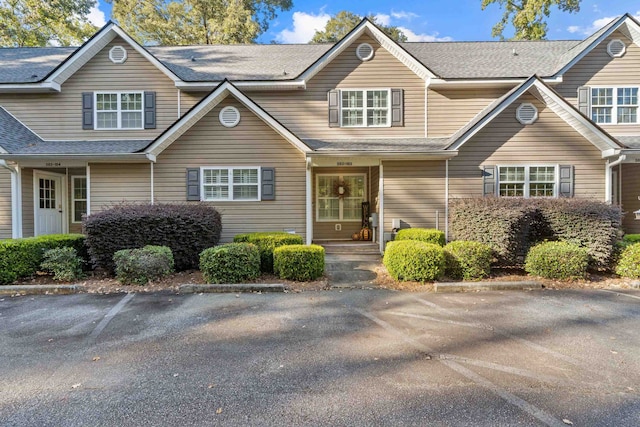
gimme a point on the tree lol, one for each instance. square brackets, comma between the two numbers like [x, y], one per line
[44, 23]
[180, 22]
[528, 16]
[341, 23]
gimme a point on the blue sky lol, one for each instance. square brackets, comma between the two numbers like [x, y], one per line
[427, 20]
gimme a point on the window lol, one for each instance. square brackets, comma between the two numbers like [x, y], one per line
[614, 105]
[365, 108]
[527, 181]
[79, 197]
[231, 184]
[331, 206]
[119, 110]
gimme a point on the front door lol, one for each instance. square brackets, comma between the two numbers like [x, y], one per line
[48, 199]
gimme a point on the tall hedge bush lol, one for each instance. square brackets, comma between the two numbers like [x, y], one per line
[267, 242]
[187, 229]
[427, 235]
[22, 257]
[510, 226]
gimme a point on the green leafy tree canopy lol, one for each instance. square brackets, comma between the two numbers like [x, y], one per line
[528, 16]
[182, 22]
[44, 22]
[342, 22]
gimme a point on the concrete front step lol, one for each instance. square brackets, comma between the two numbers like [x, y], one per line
[351, 248]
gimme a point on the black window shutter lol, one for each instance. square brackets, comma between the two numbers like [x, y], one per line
[334, 108]
[489, 181]
[149, 110]
[584, 100]
[268, 183]
[566, 181]
[193, 184]
[397, 107]
[87, 110]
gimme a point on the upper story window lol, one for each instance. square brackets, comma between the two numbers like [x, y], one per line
[527, 181]
[119, 110]
[231, 184]
[614, 105]
[365, 108]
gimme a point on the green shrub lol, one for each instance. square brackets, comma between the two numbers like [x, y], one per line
[557, 260]
[467, 260]
[629, 262]
[631, 238]
[299, 262]
[267, 242]
[64, 263]
[22, 257]
[187, 229]
[414, 260]
[427, 235]
[140, 266]
[230, 263]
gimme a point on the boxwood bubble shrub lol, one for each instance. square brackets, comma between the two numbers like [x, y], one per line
[140, 266]
[468, 260]
[427, 235]
[230, 263]
[299, 262]
[557, 260]
[629, 262]
[267, 242]
[414, 260]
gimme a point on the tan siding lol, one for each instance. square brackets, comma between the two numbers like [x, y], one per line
[306, 114]
[326, 230]
[189, 99]
[450, 109]
[414, 192]
[375, 189]
[505, 141]
[58, 116]
[599, 69]
[630, 193]
[5, 204]
[27, 203]
[111, 184]
[251, 143]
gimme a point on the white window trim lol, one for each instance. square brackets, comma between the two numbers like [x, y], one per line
[364, 107]
[230, 170]
[527, 181]
[341, 204]
[614, 105]
[119, 111]
[73, 196]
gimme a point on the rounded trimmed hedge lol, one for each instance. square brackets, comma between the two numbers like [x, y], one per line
[427, 235]
[414, 260]
[230, 263]
[557, 260]
[142, 265]
[468, 260]
[629, 262]
[267, 242]
[299, 262]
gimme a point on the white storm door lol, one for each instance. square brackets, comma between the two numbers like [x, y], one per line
[48, 203]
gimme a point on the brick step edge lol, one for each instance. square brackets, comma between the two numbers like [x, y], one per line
[231, 288]
[485, 286]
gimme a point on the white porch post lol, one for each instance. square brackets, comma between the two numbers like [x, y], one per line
[308, 197]
[607, 177]
[381, 203]
[152, 196]
[88, 190]
[16, 199]
[446, 200]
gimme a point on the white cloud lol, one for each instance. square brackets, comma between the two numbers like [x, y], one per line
[383, 19]
[595, 25]
[413, 37]
[305, 26]
[96, 16]
[404, 15]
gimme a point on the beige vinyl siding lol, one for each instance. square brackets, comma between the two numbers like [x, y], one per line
[306, 112]
[5, 204]
[414, 192]
[630, 193]
[599, 69]
[450, 109]
[58, 116]
[251, 143]
[189, 99]
[505, 141]
[111, 184]
[375, 188]
[27, 203]
[326, 230]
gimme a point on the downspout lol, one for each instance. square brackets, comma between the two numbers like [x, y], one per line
[309, 228]
[16, 199]
[381, 203]
[88, 173]
[152, 196]
[607, 177]
[446, 200]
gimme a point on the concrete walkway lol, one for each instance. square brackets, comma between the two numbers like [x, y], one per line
[351, 264]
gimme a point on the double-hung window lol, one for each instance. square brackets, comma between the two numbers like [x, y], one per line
[79, 199]
[333, 206]
[614, 105]
[527, 181]
[119, 110]
[365, 108]
[231, 184]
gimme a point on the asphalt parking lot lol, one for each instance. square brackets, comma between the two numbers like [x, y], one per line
[355, 357]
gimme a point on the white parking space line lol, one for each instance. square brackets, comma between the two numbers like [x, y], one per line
[620, 294]
[110, 315]
[532, 410]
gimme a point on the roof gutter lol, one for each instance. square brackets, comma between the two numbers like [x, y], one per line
[43, 87]
[247, 85]
[95, 158]
[470, 83]
[398, 155]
